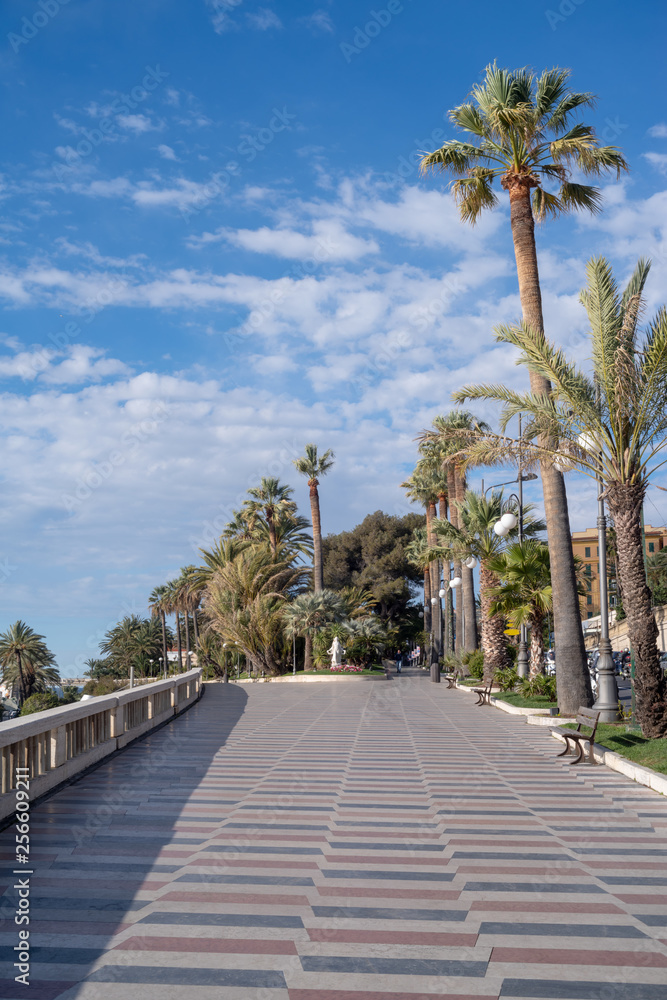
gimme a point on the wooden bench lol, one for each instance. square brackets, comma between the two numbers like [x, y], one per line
[451, 680]
[484, 694]
[585, 717]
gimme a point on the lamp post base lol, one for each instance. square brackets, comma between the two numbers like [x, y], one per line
[522, 668]
[607, 700]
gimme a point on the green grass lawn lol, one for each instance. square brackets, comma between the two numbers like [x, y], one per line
[375, 669]
[537, 701]
[634, 746]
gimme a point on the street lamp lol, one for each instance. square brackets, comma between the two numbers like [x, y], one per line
[435, 665]
[502, 528]
[225, 676]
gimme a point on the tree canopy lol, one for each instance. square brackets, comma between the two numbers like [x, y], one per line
[375, 556]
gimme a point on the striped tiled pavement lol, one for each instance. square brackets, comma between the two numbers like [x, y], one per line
[347, 841]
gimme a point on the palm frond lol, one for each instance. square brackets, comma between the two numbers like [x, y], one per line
[580, 197]
[545, 204]
[453, 156]
[559, 117]
[473, 194]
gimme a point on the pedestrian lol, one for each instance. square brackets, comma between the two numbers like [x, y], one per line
[399, 660]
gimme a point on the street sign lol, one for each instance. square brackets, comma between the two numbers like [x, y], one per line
[512, 631]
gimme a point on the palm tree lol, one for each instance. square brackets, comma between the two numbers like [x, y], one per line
[244, 603]
[308, 613]
[422, 487]
[475, 537]
[524, 595]
[173, 607]
[521, 130]
[611, 427]
[418, 553]
[267, 501]
[158, 604]
[28, 664]
[314, 467]
[448, 438]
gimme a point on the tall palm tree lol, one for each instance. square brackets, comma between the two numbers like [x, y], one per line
[521, 130]
[313, 468]
[524, 595]
[28, 664]
[475, 537]
[158, 604]
[612, 427]
[267, 501]
[422, 488]
[449, 437]
[418, 553]
[173, 607]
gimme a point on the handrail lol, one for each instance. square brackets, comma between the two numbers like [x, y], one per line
[57, 743]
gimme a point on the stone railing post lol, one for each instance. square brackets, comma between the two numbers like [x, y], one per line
[58, 754]
[117, 720]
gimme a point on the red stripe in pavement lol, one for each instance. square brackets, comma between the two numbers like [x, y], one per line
[467, 842]
[235, 897]
[528, 906]
[612, 863]
[223, 837]
[390, 937]
[387, 859]
[220, 946]
[364, 995]
[371, 891]
[76, 927]
[572, 956]
[249, 862]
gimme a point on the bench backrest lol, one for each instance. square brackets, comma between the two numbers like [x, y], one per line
[587, 717]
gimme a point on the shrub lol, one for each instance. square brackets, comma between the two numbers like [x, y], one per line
[474, 661]
[39, 702]
[506, 679]
[539, 685]
[106, 685]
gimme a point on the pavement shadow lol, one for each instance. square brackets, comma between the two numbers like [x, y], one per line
[100, 840]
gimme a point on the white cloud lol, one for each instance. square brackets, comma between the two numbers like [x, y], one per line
[657, 160]
[139, 124]
[263, 19]
[658, 131]
[328, 242]
[166, 152]
[320, 22]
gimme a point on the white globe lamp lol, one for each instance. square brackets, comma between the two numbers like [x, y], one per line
[509, 520]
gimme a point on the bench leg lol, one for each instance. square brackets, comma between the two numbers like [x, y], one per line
[580, 754]
[566, 750]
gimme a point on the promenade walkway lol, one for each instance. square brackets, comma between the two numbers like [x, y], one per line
[344, 841]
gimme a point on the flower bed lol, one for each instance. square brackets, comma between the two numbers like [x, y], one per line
[346, 668]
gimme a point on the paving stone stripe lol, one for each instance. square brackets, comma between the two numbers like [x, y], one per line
[296, 844]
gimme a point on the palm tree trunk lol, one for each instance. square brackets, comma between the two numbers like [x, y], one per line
[195, 627]
[21, 697]
[318, 570]
[178, 636]
[494, 641]
[469, 610]
[625, 504]
[573, 678]
[435, 584]
[163, 619]
[427, 600]
[272, 532]
[308, 653]
[187, 635]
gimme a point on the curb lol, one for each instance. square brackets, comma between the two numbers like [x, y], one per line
[536, 717]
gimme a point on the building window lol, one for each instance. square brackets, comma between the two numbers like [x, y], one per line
[590, 614]
[587, 552]
[589, 599]
[588, 569]
[651, 547]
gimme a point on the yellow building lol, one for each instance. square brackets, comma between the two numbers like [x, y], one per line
[585, 548]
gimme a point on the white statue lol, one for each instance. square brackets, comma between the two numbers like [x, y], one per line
[336, 652]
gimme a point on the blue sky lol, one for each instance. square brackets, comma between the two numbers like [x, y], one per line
[215, 247]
